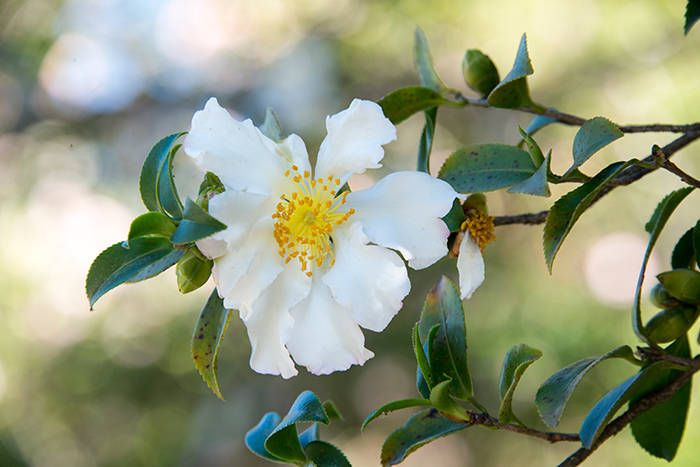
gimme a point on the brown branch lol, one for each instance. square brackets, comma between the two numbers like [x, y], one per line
[487, 420]
[642, 405]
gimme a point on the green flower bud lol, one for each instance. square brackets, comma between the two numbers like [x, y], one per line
[210, 186]
[669, 325]
[660, 297]
[683, 284]
[479, 72]
[193, 270]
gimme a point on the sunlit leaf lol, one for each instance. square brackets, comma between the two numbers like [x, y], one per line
[593, 136]
[512, 92]
[206, 339]
[255, 438]
[196, 224]
[554, 394]
[324, 454]
[486, 167]
[424, 64]
[395, 405]
[683, 255]
[518, 359]
[156, 184]
[400, 104]
[692, 14]
[426, 140]
[441, 400]
[271, 126]
[419, 430]
[152, 223]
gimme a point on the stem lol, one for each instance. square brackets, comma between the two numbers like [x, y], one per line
[487, 420]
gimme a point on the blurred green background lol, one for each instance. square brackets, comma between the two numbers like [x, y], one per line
[88, 86]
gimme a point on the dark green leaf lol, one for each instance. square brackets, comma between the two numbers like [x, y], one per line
[696, 243]
[152, 223]
[426, 140]
[441, 400]
[692, 14]
[422, 358]
[513, 92]
[479, 72]
[255, 438]
[684, 253]
[486, 167]
[271, 126]
[424, 65]
[554, 394]
[660, 430]
[518, 359]
[118, 264]
[324, 454]
[455, 218]
[196, 224]
[157, 267]
[566, 211]
[404, 102]
[206, 339]
[537, 184]
[601, 414]
[657, 223]
[332, 410]
[593, 136]
[393, 406]
[156, 184]
[422, 428]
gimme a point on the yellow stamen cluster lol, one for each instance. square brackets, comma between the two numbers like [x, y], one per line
[480, 226]
[304, 220]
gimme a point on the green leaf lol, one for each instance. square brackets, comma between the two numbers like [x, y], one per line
[283, 442]
[593, 136]
[118, 264]
[324, 454]
[536, 185]
[441, 400]
[566, 211]
[479, 72]
[421, 357]
[206, 339]
[696, 243]
[448, 355]
[518, 359]
[554, 394]
[156, 184]
[692, 14]
[683, 255]
[154, 223]
[255, 438]
[157, 267]
[657, 223]
[540, 121]
[393, 406]
[601, 414]
[419, 430]
[309, 435]
[404, 102]
[455, 218]
[660, 430]
[426, 140]
[424, 65]
[513, 92]
[271, 126]
[486, 167]
[196, 224]
[332, 410]
[532, 147]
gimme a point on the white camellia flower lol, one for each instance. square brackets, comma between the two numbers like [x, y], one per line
[475, 234]
[304, 265]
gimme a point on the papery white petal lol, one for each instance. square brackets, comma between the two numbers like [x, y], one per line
[369, 280]
[269, 323]
[404, 211]
[324, 338]
[242, 157]
[470, 265]
[354, 141]
[239, 210]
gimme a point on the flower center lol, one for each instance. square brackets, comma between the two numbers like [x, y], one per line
[304, 220]
[480, 226]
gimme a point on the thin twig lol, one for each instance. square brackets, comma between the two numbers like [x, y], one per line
[674, 169]
[487, 420]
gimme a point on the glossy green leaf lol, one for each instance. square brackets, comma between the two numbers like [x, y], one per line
[512, 92]
[455, 218]
[157, 267]
[156, 184]
[517, 360]
[284, 442]
[692, 14]
[441, 400]
[152, 224]
[479, 72]
[419, 430]
[424, 64]
[486, 167]
[657, 223]
[332, 410]
[566, 211]
[606, 408]
[660, 430]
[554, 393]
[683, 255]
[448, 355]
[119, 264]
[255, 438]
[395, 405]
[426, 140]
[324, 454]
[536, 185]
[404, 102]
[206, 339]
[271, 126]
[696, 243]
[196, 224]
[593, 136]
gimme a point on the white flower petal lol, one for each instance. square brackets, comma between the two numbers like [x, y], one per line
[404, 211]
[294, 149]
[270, 325]
[354, 141]
[324, 338]
[211, 247]
[239, 210]
[470, 265]
[242, 157]
[369, 280]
